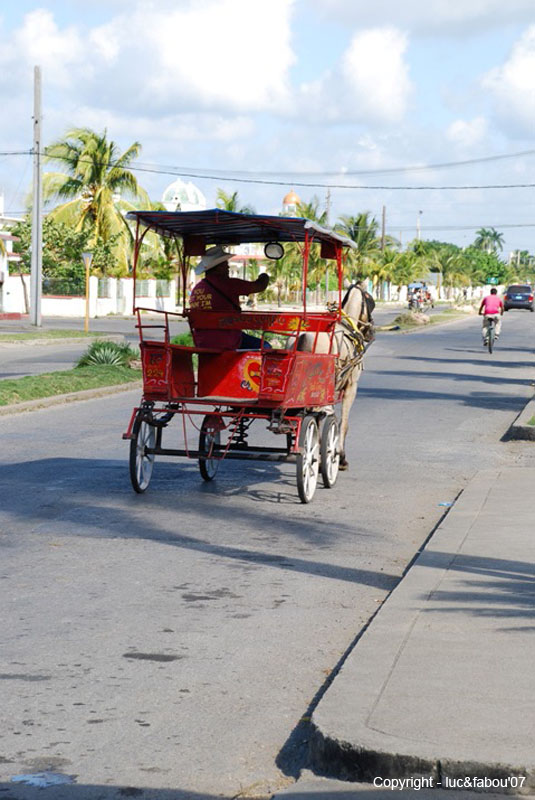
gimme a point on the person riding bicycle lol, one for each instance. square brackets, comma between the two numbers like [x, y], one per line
[491, 306]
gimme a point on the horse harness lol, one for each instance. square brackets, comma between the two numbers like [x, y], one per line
[357, 335]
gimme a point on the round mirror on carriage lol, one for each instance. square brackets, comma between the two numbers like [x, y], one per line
[274, 250]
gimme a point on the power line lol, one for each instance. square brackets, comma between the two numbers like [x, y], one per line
[187, 173]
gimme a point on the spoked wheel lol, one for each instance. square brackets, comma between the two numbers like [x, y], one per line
[142, 461]
[308, 460]
[209, 439]
[330, 451]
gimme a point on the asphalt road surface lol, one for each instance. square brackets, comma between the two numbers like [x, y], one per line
[173, 641]
[17, 360]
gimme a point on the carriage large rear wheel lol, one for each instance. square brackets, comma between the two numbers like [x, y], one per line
[330, 451]
[141, 459]
[209, 440]
[308, 459]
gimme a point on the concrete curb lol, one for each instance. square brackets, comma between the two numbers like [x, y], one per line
[520, 428]
[345, 742]
[73, 397]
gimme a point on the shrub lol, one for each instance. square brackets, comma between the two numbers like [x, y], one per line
[184, 339]
[112, 353]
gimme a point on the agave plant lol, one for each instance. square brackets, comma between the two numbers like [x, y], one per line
[110, 353]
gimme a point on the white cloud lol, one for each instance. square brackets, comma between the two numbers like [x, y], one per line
[370, 84]
[224, 54]
[39, 41]
[467, 133]
[512, 85]
[445, 17]
[374, 70]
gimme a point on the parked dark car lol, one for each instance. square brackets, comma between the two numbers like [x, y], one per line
[519, 295]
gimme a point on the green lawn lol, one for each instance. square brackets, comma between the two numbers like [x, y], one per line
[46, 334]
[35, 387]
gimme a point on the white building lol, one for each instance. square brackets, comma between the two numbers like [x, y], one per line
[290, 203]
[181, 196]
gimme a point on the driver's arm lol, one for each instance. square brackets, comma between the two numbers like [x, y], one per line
[260, 284]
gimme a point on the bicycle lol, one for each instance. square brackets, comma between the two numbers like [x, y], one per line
[491, 332]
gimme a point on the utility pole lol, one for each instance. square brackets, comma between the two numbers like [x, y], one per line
[327, 215]
[37, 232]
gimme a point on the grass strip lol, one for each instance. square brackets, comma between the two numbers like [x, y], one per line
[407, 320]
[52, 333]
[35, 387]
[531, 421]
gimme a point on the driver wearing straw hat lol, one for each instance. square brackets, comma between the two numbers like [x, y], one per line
[217, 291]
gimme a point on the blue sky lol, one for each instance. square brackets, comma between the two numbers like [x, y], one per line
[294, 92]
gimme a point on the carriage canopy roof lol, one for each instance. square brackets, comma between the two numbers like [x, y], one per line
[217, 226]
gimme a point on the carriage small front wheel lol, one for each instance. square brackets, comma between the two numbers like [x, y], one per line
[308, 459]
[330, 451]
[141, 458]
[209, 441]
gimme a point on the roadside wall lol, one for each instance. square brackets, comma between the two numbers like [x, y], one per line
[109, 296]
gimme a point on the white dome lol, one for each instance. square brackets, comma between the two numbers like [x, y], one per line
[181, 196]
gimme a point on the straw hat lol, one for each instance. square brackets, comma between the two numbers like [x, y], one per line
[213, 256]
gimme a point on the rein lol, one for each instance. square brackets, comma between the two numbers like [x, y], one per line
[358, 334]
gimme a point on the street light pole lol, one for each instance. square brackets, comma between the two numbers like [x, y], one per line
[88, 258]
[418, 225]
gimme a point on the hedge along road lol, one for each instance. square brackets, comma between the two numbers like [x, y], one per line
[175, 639]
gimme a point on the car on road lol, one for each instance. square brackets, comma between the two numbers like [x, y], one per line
[518, 296]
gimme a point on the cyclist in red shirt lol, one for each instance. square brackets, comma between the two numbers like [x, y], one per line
[491, 306]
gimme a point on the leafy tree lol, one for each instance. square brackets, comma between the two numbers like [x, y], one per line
[481, 266]
[95, 175]
[62, 249]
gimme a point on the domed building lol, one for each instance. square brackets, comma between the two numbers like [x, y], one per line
[181, 196]
[290, 203]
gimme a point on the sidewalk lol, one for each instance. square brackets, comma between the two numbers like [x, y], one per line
[442, 682]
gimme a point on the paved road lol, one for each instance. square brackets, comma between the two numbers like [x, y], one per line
[33, 359]
[174, 640]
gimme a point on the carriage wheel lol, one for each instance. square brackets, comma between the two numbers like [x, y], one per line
[141, 461]
[330, 451]
[308, 459]
[209, 438]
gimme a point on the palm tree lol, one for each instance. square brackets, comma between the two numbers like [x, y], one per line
[316, 265]
[230, 202]
[95, 176]
[489, 239]
[363, 231]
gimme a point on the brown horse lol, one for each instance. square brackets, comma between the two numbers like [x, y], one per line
[352, 336]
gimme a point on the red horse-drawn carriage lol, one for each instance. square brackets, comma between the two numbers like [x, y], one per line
[222, 392]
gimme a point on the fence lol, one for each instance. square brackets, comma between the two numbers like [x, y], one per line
[66, 287]
[66, 298]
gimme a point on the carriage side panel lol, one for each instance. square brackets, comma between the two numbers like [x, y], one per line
[298, 379]
[156, 364]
